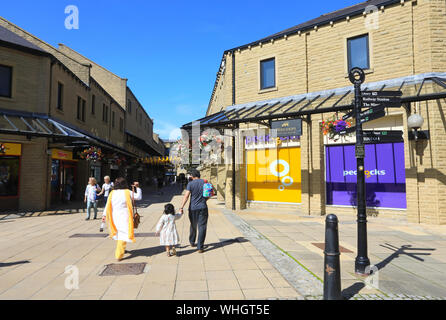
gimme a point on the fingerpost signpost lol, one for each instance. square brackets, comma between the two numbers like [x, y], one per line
[376, 102]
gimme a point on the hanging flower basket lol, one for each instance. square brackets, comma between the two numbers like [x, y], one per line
[2, 148]
[207, 139]
[92, 154]
[332, 128]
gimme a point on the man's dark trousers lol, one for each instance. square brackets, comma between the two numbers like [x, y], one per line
[198, 218]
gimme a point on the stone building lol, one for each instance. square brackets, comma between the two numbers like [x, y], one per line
[54, 104]
[302, 73]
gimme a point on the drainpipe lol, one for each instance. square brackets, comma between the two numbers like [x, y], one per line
[48, 159]
[233, 77]
[233, 167]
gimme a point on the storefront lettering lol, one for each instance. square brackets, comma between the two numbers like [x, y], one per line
[367, 173]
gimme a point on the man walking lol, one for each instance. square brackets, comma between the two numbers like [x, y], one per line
[198, 210]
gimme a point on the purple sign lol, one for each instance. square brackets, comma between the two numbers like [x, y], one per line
[384, 175]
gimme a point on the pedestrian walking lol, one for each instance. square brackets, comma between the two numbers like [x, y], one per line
[198, 210]
[69, 187]
[106, 188]
[167, 229]
[119, 215]
[91, 197]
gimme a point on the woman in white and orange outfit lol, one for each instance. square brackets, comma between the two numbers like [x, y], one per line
[119, 214]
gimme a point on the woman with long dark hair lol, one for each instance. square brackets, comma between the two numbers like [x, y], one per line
[119, 212]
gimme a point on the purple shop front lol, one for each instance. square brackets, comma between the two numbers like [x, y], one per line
[384, 175]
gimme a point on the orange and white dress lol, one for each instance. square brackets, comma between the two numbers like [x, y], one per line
[119, 211]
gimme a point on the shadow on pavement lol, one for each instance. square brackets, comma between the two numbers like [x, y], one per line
[354, 289]
[213, 246]
[147, 252]
[402, 251]
[8, 264]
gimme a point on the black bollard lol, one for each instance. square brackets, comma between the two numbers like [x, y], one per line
[332, 266]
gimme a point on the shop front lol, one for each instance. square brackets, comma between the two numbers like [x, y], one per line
[273, 169]
[10, 156]
[384, 175]
[64, 184]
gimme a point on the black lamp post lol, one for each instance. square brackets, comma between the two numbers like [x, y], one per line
[357, 77]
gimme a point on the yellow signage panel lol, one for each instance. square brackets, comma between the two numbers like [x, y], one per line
[274, 175]
[61, 154]
[12, 149]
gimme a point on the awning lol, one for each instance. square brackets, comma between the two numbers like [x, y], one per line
[141, 144]
[40, 125]
[422, 87]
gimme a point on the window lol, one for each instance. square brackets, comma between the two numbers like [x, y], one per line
[113, 119]
[84, 103]
[358, 52]
[268, 73]
[81, 109]
[121, 124]
[129, 106]
[104, 113]
[93, 104]
[5, 81]
[79, 106]
[59, 96]
[9, 176]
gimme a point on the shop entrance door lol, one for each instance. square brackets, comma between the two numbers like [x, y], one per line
[63, 181]
[68, 179]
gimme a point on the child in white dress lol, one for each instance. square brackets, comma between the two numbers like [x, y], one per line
[167, 229]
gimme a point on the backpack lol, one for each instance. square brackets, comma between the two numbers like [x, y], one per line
[208, 189]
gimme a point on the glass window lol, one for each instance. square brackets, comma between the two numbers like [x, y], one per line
[5, 81]
[358, 52]
[79, 106]
[113, 119]
[59, 96]
[129, 106]
[93, 104]
[268, 73]
[121, 124]
[83, 109]
[9, 176]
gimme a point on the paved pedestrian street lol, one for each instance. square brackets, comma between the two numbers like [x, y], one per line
[249, 255]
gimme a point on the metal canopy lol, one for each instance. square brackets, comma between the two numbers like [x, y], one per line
[423, 87]
[40, 125]
[141, 144]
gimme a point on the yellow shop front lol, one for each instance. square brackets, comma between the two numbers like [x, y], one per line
[273, 169]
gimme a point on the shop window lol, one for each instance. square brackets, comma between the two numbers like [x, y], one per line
[9, 176]
[274, 175]
[268, 73]
[384, 175]
[5, 81]
[358, 52]
[59, 96]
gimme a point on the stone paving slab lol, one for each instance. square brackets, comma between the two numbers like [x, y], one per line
[35, 252]
[409, 256]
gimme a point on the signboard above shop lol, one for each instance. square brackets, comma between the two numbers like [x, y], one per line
[285, 128]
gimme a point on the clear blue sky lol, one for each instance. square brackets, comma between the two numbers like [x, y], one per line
[169, 50]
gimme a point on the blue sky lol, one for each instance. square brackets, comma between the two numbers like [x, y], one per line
[170, 51]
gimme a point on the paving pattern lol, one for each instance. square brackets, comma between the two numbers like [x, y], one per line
[252, 254]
